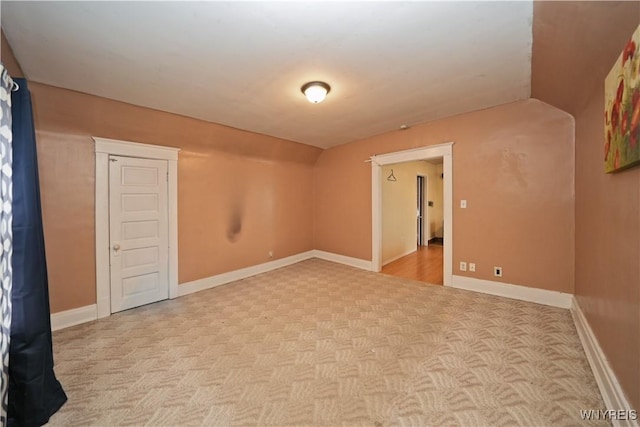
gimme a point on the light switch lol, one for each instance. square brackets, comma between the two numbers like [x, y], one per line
[463, 204]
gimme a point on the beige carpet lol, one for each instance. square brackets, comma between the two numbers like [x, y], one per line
[319, 343]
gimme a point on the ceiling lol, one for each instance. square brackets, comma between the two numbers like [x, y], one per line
[242, 63]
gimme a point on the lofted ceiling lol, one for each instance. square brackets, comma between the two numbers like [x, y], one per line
[242, 63]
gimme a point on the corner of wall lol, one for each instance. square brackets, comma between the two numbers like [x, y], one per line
[8, 58]
[559, 110]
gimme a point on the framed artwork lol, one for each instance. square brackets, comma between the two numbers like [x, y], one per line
[622, 109]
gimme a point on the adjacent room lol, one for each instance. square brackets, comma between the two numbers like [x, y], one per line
[413, 220]
[320, 213]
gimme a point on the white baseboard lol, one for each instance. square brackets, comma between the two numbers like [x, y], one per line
[342, 259]
[610, 389]
[104, 307]
[75, 316]
[88, 313]
[523, 293]
[243, 273]
[395, 258]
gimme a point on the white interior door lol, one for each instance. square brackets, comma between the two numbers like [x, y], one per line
[138, 232]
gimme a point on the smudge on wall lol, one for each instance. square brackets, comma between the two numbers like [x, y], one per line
[234, 226]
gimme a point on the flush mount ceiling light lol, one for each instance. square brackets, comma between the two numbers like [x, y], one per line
[315, 91]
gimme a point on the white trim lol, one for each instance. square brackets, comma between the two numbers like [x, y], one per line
[610, 389]
[75, 316]
[445, 151]
[420, 153]
[447, 201]
[103, 148]
[173, 228]
[243, 273]
[135, 149]
[395, 258]
[342, 259]
[523, 293]
[103, 288]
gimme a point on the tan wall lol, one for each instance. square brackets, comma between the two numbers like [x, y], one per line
[399, 225]
[436, 212]
[398, 212]
[399, 228]
[233, 207]
[569, 67]
[513, 164]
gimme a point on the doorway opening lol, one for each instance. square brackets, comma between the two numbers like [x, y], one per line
[442, 154]
[412, 215]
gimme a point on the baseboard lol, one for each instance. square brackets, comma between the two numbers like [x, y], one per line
[523, 293]
[342, 259]
[243, 273]
[395, 258]
[610, 389]
[76, 316]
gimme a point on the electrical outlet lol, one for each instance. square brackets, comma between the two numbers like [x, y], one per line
[463, 266]
[270, 254]
[497, 271]
[463, 204]
[472, 266]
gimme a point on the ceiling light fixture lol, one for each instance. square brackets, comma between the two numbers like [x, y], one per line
[315, 91]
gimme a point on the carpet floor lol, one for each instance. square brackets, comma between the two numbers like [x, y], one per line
[318, 343]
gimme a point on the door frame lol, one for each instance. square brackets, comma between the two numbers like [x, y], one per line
[424, 208]
[445, 151]
[103, 149]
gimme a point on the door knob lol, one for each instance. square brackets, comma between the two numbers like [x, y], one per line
[116, 247]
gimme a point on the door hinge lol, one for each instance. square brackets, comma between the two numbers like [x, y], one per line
[167, 176]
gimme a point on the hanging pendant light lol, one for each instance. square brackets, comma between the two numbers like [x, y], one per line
[315, 91]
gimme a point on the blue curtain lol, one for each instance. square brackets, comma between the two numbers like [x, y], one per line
[34, 392]
[6, 233]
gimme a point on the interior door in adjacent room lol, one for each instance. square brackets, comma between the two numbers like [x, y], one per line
[138, 232]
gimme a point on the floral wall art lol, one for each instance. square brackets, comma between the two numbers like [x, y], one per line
[622, 109]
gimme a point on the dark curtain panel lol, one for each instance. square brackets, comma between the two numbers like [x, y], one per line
[6, 234]
[34, 392]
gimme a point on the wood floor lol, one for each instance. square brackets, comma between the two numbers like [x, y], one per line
[424, 265]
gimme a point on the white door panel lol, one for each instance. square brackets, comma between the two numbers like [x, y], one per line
[138, 232]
